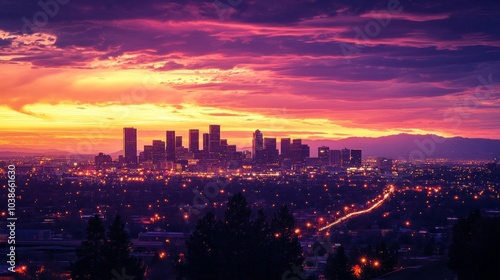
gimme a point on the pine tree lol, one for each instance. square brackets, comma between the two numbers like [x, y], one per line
[91, 263]
[285, 244]
[118, 251]
[204, 250]
[102, 257]
[241, 248]
[237, 237]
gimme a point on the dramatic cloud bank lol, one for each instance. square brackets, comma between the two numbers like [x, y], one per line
[307, 69]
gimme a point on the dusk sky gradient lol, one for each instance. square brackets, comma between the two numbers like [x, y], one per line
[295, 69]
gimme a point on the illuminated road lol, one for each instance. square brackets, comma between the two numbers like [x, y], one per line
[360, 212]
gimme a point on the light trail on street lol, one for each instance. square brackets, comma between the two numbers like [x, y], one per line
[360, 212]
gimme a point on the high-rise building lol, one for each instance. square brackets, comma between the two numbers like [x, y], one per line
[324, 155]
[257, 145]
[206, 140]
[214, 137]
[356, 157]
[223, 142]
[345, 157]
[194, 140]
[298, 151]
[170, 149]
[270, 151]
[285, 147]
[269, 143]
[336, 157]
[130, 145]
[158, 151]
[178, 141]
[148, 153]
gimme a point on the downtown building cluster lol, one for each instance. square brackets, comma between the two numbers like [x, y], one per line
[209, 152]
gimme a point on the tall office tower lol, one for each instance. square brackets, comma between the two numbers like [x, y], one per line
[214, 137]
[269, 143]
[345, 157]
[270, 151]
[178, 141]
[384, 164]
[130, 145]
[148, 152]
[158, 151]
[298, 151]
[336, 157]
[206, 140]
[257, 145]
[356, 157]
[194, 140]
[324, 155]
[285, 147]
[170, 146]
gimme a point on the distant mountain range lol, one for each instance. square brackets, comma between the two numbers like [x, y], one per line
[401, 146]
[411, 146]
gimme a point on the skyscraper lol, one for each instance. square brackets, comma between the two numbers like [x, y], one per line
[356, 157]
[178, 141]
[336, 157]
[214, 137]
[270, 151]
[206, 140]
[324, 155]
[257, 144]
[285, 147]
[345, 157]
[130, 145]
[194, 140]
[148, 153]
[158, 151]
[170, 149]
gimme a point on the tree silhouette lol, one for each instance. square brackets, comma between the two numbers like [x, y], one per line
[475, 249]
[204, 250]
[285, 244]
[102, 257]
[91, 261]
[338, 267]
[241, 248]
[118, 251]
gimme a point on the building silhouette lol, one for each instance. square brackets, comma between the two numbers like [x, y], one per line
[130, 145]
[158, 151]
[324, 155]
[206, 140]
[345, 157]
[214, 138]
[257, 145]
[178, 141]
[194, 140]
[356, 158]
[170, 147]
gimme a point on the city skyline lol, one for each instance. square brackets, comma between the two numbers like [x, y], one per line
[325, 70]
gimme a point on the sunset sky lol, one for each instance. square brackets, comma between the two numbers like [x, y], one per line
[73, 75]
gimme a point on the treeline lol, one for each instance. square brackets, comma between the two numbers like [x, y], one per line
[239, 247]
